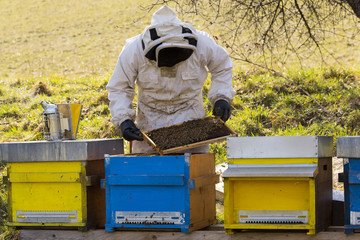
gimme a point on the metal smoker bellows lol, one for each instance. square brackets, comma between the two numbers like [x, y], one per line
[61, 121]
[51, 118]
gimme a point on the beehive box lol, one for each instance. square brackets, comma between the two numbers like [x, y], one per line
[174, 192]
[57, 184]
[278, 183]
[348, 148]
[190, 134]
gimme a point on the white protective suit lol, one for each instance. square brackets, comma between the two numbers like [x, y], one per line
[167, 95]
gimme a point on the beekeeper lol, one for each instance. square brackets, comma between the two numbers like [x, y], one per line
[169, 62]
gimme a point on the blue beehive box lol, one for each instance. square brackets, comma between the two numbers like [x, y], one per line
[161, 192]
[348, 148]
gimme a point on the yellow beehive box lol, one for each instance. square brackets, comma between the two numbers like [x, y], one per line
[269, 203]
[47, 193]
[57, 183]
[278, 183]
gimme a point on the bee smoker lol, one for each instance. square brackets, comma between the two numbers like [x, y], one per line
[52, 123]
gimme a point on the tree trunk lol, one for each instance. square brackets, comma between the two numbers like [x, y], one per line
[355, 5]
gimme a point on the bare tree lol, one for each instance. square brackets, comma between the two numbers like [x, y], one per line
[273, 31]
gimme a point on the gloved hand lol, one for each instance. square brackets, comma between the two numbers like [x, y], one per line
[130, 131]
[222, 109]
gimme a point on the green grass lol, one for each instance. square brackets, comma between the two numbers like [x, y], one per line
[268, 105]
[65, 51]
[82, 38]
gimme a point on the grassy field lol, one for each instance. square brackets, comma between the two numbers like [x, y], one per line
[83, 38]
[64, 38]
[65, 51]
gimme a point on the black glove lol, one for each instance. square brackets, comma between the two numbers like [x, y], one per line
[222, 109]
[130, 131]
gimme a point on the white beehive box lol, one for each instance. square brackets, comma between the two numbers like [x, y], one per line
[280, 147]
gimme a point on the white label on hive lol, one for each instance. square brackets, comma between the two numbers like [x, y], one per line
[149, 217]
[354, 218]
[47, 216]
[273, 217]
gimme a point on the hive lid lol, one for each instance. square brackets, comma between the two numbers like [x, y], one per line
[189, 134]
[348, 147]
[271, 170]
[280, 147]
[68, 150]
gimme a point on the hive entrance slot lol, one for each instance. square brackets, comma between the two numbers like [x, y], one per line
[274, 222]
[273, 217]
[154, 218]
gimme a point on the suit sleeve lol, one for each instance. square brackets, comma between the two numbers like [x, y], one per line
[121, 86]
[220, 67]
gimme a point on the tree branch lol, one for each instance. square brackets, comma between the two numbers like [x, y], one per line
[355, 6]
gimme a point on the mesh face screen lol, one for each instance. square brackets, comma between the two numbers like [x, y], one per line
[168, 57]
